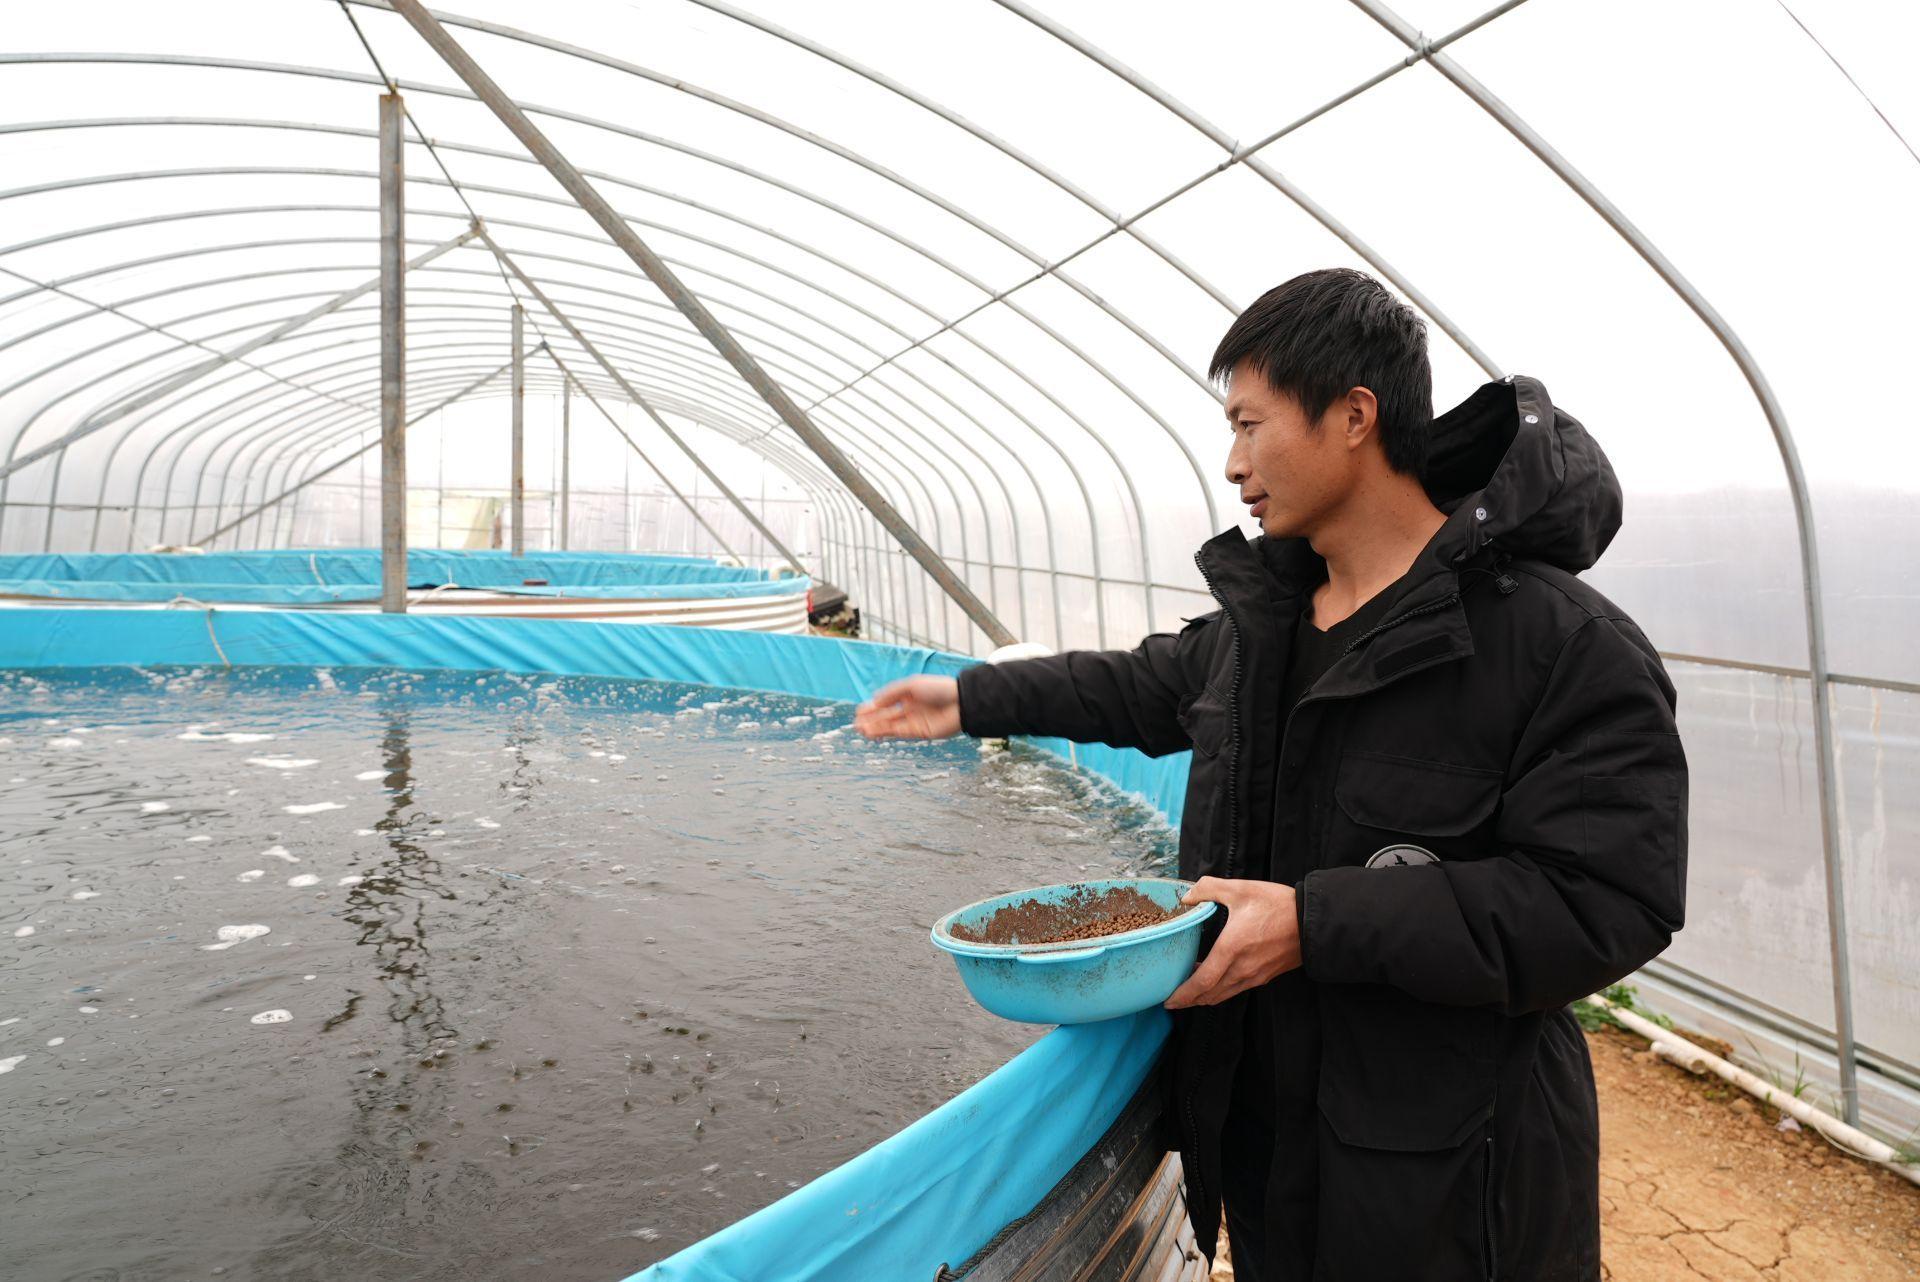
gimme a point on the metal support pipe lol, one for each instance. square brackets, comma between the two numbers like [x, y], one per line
[517, 482]
[569, 382]
[633, 394]
[566, 460]
[696, 312]
[393, 358]
[1828, 763]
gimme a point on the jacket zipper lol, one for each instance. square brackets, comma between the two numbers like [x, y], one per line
[1233, 831]
[1233, 719]
[1448, 601]
[1488, 1247]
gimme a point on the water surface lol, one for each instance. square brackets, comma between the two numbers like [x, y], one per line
[557, 976]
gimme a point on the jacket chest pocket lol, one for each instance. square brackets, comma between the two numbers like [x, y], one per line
[1392, 810]
[1207, 721]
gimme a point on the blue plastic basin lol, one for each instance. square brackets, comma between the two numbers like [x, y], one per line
[1077, 983]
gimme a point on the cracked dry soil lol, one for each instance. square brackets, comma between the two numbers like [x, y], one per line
[1695, 1184]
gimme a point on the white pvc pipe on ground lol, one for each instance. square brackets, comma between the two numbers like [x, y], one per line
[1670, 1046]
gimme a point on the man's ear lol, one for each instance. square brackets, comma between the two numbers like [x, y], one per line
[1358, 414]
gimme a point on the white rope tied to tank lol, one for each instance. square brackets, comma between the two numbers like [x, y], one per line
[195, 604]
[216, 640]
[313, 564]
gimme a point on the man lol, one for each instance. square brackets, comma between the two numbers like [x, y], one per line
[1436, 783]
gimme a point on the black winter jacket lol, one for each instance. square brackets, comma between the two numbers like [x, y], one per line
[1503, 717]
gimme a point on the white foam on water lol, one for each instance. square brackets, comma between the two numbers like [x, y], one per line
[10, 1063]
[201, 837]
[232, 935]
[363, 832]
[617, 756]
[56, 1041]
[487, 823]
[195, 735]
[5, 1022]
[64, 742]
[367, 775]
[252, 874]
[283, 762]
[309, 978]
[86, 894]
[155, 807]
[304, 879]
[279, 852]
[89, 1010]
[313, 808]
[350, 881]
[272, 1017]
[23, 932]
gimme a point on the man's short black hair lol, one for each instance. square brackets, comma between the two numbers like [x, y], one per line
[1326, 332]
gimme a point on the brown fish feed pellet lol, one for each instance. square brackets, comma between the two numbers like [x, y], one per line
[1084, 914]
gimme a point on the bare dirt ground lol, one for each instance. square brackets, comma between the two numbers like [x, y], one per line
[1696, 1185]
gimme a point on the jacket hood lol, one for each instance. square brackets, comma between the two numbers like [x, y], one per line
[1544, 485]
[1511, 472]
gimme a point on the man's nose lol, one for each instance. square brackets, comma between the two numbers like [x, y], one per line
[1238, 468]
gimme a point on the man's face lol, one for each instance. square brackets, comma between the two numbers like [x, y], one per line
[1289, 469]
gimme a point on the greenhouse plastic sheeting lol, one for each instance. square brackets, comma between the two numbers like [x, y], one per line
[934, 1192]
[353, 575]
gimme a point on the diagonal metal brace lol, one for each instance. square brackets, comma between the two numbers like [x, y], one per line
[634, 395]
[573, 380]
[374, 444]
[193, 373]
[590, 200]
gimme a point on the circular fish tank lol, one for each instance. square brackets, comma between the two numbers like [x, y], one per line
[552, 948]
[599, 587]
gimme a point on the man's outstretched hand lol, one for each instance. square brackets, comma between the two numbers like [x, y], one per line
[1261, 940]
[914, 708]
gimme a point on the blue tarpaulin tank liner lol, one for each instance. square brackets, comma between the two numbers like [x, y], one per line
[353, 574]
[931, 1194]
